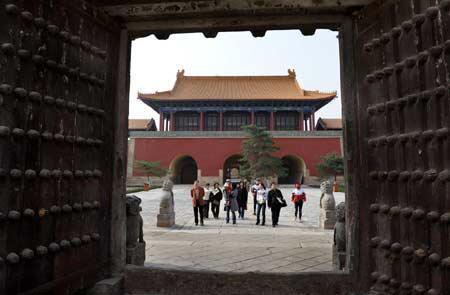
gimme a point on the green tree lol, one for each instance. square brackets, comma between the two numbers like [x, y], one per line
[331, 165]
[151, 169]
[257, 155]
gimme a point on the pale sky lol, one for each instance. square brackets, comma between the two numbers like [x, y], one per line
[154, 63]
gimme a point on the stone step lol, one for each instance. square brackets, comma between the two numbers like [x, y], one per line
[156, 281]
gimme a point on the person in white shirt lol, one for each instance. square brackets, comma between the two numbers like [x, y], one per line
[261, 200]
[254, 188]
[206, 199]
[215, 198]
[298, 198]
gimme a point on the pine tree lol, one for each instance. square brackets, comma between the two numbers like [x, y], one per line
[331, 165]
[151, 169]
[257, 155]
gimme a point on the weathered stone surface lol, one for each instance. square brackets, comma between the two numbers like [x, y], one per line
[134, 221]
[111, 286]
[136, 255]
[340, 243]
[327, 217]
[148, 280]
[166, 216]
[292, 247]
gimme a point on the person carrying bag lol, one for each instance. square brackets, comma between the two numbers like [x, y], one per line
[275, 202]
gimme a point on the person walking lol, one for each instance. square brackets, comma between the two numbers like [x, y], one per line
[197, 194]
[215, 198]
[298, 198]
[254, 189]
[242, 199]
[275, 201]
[261, 198]
[207, 200]
[230, 194]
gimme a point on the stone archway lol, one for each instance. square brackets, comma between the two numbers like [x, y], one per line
[295, 167]
[231, 167]
[184, 170]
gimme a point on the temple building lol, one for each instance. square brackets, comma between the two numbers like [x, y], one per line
[200, 124]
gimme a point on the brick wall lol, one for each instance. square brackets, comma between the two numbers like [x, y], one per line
[211, 152]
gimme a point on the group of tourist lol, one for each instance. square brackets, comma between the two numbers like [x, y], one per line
[235, 196]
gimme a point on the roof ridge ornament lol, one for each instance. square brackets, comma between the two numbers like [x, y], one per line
[291, 73]
[180, 73]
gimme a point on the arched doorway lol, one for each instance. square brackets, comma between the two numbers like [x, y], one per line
[231, 167]
[295, 167]
[184, 170]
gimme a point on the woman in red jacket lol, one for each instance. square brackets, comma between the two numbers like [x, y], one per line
[298, 197]
[197, 193]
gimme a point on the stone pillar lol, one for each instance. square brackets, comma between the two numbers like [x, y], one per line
[221, 121]
[172, 121]
[327, 218]
[161, 121]
[310, 123]
[202, 121]
[252, 121]
[166, 216]
[301, 121]
[272, 120]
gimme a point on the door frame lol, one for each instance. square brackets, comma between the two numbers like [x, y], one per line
[344, 24]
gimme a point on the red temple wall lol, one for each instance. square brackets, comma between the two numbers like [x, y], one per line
[211, 153]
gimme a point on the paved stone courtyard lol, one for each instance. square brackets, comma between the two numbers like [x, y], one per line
[245, 247]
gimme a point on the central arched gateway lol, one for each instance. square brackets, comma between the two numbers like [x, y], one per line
[295, 167]
[184, 170]
[231, 167]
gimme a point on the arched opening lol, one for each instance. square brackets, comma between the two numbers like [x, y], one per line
[295, 167]
[184, 170]
[231, 167]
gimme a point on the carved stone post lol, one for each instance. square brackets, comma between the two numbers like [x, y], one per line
[135, 236]
[166, 216]
[340, 243]
[327, 217]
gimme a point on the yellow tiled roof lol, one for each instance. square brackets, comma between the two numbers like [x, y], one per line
[138, 124]
[237, 88]
[331, 123]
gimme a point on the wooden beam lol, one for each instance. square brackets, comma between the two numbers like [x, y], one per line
[227, 24]
[147, 8]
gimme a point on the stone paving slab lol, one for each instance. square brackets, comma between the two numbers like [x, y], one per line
[245, 247]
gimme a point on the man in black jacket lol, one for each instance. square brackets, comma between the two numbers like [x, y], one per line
[275, 202]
